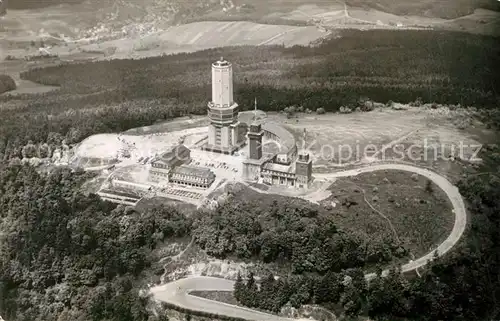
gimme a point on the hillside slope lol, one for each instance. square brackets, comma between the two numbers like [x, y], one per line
[445, 9]
[76, 19]
[208, 34]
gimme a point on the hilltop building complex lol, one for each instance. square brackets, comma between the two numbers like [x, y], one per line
[270, 157]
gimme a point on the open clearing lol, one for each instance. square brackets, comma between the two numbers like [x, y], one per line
[205, 35]
[329, 137]
[427, 137]
[12, 68]
[134, 148]
[482, 21]
[340, 139]
[221, 296]
[404, 211]
[395, 204]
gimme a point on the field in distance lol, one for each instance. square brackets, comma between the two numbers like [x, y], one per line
[80, 22]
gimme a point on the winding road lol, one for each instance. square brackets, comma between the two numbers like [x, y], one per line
[177, 292]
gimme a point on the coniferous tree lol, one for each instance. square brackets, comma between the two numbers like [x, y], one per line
[252, 291]
[239, 288]
[267, 292]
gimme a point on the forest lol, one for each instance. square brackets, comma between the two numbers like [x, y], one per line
[68, 256]
[463, 285]
[110, 96]
[6, 83]
[293, 233]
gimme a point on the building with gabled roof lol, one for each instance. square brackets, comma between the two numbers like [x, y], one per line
[192, 176]
[180, 154]
[172, 167]
[163, 164]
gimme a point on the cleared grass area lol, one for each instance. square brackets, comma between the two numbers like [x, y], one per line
[399, 207]
[222, 296]
[394, 204]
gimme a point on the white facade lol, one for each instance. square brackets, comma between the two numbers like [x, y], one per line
[211, 134]
[222, 83]
[234, 135]
[223, 133]
[251, 171]
[225, 139]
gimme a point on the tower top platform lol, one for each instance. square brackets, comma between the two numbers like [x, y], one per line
[304, 157]
[221, 63]
[255, 128]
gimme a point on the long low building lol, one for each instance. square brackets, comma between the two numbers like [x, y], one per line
[192, 176]
[172, 167]
[120, 197]
[162, 165]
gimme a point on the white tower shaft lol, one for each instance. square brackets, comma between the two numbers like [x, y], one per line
[222, 83]
[223, 131]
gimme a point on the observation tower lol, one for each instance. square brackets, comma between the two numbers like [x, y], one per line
[223, 131]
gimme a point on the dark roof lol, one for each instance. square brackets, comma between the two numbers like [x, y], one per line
[176, 151]
[255, 127]
[196, 171]
[172, 154]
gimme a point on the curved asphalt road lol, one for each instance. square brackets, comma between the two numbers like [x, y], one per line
[177, 292]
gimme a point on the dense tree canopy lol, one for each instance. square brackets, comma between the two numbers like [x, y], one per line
[289, 233]
[463, 285]
[6, 83]
[67, 256]
[116, 95]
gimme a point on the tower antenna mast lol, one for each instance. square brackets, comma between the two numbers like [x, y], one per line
[255, 110]
[304, 141]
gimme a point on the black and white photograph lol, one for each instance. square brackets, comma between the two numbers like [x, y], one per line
[249, 160]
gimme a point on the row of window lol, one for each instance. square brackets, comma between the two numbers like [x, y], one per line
[158, 165]
[181, 177]
[196, 185]
[159, 173]
[189, 178]
[280, 174]
[281, 181]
